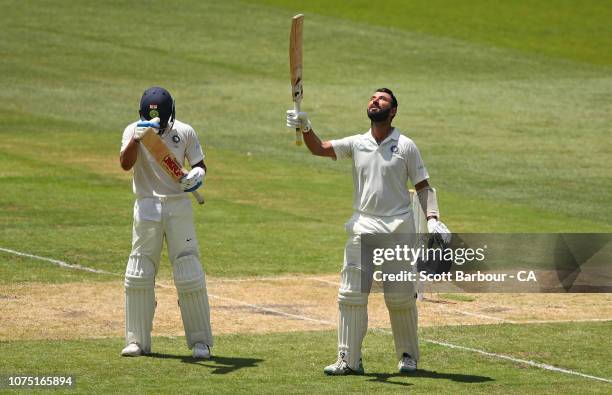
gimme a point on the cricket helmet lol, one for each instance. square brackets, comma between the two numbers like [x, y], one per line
[157, 102]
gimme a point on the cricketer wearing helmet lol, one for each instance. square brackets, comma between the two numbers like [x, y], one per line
[384, 160]
[163, 211]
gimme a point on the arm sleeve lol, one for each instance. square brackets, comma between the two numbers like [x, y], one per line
[193, 150]
[343, 148]
[415, 166]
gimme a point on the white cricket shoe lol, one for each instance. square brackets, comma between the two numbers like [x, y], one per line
[132, 350]
[341, 368]
[407, 364]
[201, 351]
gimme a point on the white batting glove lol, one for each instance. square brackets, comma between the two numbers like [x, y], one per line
[437, 228]
[143, 126]
[193, 180]
[298, 120]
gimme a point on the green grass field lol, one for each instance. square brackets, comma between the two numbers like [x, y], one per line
[510, 104]
[268, 364]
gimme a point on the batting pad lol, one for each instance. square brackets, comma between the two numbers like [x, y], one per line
[353, 316]
[403, 315]
[139, 301]
[193, 300]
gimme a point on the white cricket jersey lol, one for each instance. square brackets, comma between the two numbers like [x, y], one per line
[381, 172]
[149, 178]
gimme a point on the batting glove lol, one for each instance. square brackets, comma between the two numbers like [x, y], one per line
[298, 120]
[143, 126]
[193, 180]
[438, 229]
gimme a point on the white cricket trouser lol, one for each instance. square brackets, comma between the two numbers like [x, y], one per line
[156, 219]
[352, 300]
[164, 218]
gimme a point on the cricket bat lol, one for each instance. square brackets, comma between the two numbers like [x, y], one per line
[166, 159]
[295, 65]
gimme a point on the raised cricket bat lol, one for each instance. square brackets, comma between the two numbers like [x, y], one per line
[295, 64]
[166, 159]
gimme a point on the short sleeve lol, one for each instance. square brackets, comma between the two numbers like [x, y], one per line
[414, 163]
[193, 150]
[343, 148]
[128, 132]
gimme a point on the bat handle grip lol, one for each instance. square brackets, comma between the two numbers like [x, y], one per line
[298, 131]
[198, 197]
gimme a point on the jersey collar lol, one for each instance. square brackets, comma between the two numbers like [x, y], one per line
[393, 136]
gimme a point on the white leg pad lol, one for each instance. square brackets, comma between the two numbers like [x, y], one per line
[193, 300]
[139, 301]
[403, 315]
[353, 316]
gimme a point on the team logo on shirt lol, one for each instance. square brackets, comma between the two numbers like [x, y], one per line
[394, 149]
[176, 138]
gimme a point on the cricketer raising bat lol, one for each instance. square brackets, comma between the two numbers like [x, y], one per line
[295, 64]
[166, 159]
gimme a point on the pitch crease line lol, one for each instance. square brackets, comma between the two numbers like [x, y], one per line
[523, 361]
[58, 262]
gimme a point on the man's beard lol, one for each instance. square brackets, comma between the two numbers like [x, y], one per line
[379, 116]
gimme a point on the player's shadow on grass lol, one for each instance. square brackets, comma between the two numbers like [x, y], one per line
[225, 365]
[384, 378]
[220, 365]
[460, 378]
